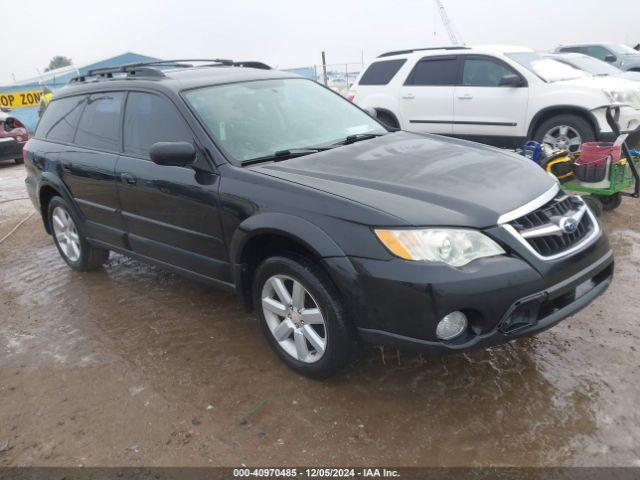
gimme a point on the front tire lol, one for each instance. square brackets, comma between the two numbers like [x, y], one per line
[69, 240]
[301, 316]
[565, 132]
[594, 203]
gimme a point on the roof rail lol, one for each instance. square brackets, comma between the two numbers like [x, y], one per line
[411, 50]
[151, 70]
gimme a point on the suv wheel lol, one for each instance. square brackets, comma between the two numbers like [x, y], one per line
[19, 161]
[565, 132]
[73, 247]
[387, 119]
[301, 316]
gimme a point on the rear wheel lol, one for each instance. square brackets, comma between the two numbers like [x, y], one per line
[19, 161]
[71, 243]
[610, 202]
[301, 316]
[388, 119]
[565, 132]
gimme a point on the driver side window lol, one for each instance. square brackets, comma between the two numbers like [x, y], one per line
[482, 72]
[149, 119]
[598, 52]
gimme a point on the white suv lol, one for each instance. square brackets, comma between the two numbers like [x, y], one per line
[494, 94]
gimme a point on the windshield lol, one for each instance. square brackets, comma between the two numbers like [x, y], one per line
[547, 69]
[620, 49]
[591, 65]
[256, 119]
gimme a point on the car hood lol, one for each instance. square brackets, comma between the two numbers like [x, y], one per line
[421, 179]
[599, 83]
[633, 76]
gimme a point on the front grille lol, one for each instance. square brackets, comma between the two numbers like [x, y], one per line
[549, 215]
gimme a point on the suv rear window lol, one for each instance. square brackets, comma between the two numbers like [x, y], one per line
[60, 119]
[434, 72]
[99, 126]
[381, 73]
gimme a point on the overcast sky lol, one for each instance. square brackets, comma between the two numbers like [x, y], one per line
[290, 33]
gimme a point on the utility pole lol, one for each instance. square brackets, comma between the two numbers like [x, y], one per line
[324, 69]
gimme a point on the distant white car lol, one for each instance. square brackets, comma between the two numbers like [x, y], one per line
[499, 95]
[593, 66]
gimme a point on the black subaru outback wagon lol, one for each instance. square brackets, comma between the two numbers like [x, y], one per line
[331, 227]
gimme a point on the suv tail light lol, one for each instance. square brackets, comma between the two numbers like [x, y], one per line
[17, 123]
[25, 151]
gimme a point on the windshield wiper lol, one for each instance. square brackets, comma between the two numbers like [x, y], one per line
[358, 137]
[284, 155]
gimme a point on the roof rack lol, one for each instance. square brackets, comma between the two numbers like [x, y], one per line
[151, 70]
[411, 50]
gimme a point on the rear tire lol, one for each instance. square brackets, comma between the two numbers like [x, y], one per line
[387, 119]
[565, 132]
[69, 239]
[610, 202]
[18, 161]
[330, 328]
[594, 203]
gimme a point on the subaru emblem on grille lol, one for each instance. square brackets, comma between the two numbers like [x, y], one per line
[568, 224]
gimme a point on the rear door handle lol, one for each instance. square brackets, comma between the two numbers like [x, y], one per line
[128, 178]
[409, 96]
[465, 97]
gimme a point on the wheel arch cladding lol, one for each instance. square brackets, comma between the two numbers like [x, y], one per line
[550, 112]
[272, 233]
[46, 193]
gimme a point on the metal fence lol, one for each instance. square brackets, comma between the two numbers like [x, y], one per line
[339, 76]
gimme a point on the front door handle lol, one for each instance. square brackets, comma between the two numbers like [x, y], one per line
[465, 97]
[128, 178]
[409, 96]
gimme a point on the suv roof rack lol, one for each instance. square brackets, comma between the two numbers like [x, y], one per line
[411, 50]
[151, 70]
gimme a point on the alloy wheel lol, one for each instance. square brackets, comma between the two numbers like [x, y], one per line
[66, 233]
[294, 318]
[563, 137]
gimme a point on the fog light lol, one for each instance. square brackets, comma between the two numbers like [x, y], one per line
[451, 325]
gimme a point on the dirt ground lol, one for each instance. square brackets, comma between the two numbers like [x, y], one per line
[132, 365]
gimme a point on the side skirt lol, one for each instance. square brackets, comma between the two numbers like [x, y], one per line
[166, 266]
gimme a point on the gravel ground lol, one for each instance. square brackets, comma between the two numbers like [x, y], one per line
[132, 365]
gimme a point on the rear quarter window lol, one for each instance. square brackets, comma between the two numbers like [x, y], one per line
[381, 73]
[60, 119]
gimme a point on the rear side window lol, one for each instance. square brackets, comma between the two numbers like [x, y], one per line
[60, 119]
[572, 49]
[381, 73]
[149, 119]
[434, 72]
[99, 125]
[482, 72]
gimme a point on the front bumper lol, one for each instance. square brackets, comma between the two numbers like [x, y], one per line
[628, 121]
[10, 148]
[399, 304]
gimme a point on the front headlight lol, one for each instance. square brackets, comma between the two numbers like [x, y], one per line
[623, 97]
[456, 247]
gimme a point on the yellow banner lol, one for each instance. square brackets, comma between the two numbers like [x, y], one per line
[28, 98]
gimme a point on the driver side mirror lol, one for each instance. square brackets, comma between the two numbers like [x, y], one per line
[176, 154]
[610, 58]
[511, 80]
